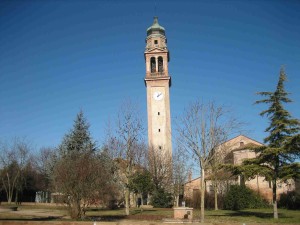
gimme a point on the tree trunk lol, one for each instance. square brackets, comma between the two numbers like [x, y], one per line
[9, 200]
[16, 197]
[216, 195]
[142, 202]
[202, 196]
[127, 201]
[242, 182]
[8, 192]
[176, 195]
[78, 209]
[142, 199]
[148, 198]
[275, 211]
[8, 189]
[75, 210]
[11, 186]
[257, 184]
[135, 199]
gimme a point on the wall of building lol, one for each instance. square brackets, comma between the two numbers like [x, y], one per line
[233, 151]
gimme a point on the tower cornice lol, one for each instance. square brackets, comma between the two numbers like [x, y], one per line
[158, 78]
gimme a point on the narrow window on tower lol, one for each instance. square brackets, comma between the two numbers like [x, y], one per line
[153, 65]
[159, 147]
[158, 113]
[160, 64]
[158, 130]
[155, 42]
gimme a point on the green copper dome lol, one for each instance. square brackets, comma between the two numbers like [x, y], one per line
[155, 28]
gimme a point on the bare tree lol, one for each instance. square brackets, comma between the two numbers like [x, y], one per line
[126, 144]
[44, 163]
[80, 171]
[216, 173]
[82, 178]
[201, 129]
[180, 173]
[160, 166]
[13, 158]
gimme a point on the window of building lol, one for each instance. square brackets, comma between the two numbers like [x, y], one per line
[158, 130]
[160, 64]
[153, 65]
[155, 42]
[158, 113]
[159, 147]
[241, 143]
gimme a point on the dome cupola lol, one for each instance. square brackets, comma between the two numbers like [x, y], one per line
[155, 29]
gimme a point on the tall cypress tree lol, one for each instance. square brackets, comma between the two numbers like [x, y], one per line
[276, 159]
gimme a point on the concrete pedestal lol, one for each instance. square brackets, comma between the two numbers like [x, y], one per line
[183, 213]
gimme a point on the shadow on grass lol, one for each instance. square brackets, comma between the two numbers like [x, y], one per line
[263, 215]
[130, 217]
[106, 218]
[134, 215]
[139, 211]
[49, 218]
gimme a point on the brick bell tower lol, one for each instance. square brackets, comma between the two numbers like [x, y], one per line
[158, 82]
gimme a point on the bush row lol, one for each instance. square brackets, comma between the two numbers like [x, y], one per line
[237, 198]
[290, 200]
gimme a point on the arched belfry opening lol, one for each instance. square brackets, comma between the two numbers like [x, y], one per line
[160, 64]
[153, 64]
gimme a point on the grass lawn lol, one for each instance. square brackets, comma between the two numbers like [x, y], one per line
[257, 216]
[262, 216]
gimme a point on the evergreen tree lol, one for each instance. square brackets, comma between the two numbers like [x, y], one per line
[79, 172]
[78, 140]
[276, 159]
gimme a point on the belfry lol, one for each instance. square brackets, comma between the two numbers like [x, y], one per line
[158, 82]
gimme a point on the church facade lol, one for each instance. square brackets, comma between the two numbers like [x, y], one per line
[234, 151]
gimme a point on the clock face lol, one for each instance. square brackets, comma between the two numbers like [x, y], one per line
[158, 95]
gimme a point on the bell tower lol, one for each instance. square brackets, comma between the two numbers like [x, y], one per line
[158, 82]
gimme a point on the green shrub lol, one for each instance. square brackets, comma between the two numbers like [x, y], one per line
[241, 197]
[290, 200]
[161, 199]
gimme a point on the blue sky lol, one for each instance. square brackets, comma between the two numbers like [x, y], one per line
[57, 57]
